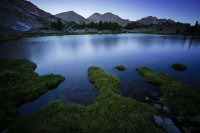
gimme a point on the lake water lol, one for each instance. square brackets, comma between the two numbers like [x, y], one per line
[71, 55]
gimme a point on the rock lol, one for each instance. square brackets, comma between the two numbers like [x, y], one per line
[5, 130]
[196, 118]
[168, 122]
[147, 98]
[158, 106]
[154, 94]
[173, 129]
[185, 130]
[166, 110]
[180, 119]
[159, 121]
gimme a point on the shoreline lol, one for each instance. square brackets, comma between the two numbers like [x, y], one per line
[24, 35]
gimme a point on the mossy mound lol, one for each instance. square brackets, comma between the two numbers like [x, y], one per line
[109, 113]
[120, 67]
[181, 98]
[19, 84]
[179, 67]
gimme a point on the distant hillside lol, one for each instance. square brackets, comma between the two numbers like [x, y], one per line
[154, 20]
[18, 16]
[71, 16]
[96, 18]
[107, 17]
[21, 16]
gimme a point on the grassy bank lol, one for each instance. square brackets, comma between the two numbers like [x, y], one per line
[181, 98]
[19, 84]
[109, 113]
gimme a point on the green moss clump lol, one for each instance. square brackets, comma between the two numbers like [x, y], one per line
[109, 113]
[182, 98]
[19, 84]
[179, 66]
[120, 68]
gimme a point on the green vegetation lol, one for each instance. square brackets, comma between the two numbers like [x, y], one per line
[109, 113]
[180, 97]
[120, 68]
[58, 25]
[135, 25]
[19, 84]
[99, 26]
[179, 66]
[193, 30]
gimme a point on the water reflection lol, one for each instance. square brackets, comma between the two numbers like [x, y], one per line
[72, 55]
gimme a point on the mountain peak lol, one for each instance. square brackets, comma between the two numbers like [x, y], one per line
[71, 16]
[154, 20]
[96, 14]
[107, 17]
[108, 13]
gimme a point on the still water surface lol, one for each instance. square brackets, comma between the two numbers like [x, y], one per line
[71, 56]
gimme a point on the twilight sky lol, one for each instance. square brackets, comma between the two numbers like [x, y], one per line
[179, 10]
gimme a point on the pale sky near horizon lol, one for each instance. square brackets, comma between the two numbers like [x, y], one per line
[187, 11]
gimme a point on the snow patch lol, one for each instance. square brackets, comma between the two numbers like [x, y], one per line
[35, 13]
[22, 26]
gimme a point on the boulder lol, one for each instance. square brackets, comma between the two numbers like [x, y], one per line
[168, 122]
[173, 129]
[180, 119]
[185, 130]
[196, 118]
[166, 110]
[159, 121]
[158, 106]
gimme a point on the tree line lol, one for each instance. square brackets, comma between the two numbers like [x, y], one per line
[59, 25]
[99, 26]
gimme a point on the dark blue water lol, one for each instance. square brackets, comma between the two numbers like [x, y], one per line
[71, 56]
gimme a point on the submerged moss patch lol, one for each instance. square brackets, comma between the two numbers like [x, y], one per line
[120, 68]
[19, 84]
[183, 99]
[109, 113]
[179, 66]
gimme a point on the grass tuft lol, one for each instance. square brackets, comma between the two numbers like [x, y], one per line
[120, 68]
[179, 66]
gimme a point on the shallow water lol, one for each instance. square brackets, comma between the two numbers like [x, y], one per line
[71, 56]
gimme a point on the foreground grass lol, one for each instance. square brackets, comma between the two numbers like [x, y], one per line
[183, 99]
[109, 113]
[19, 84]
